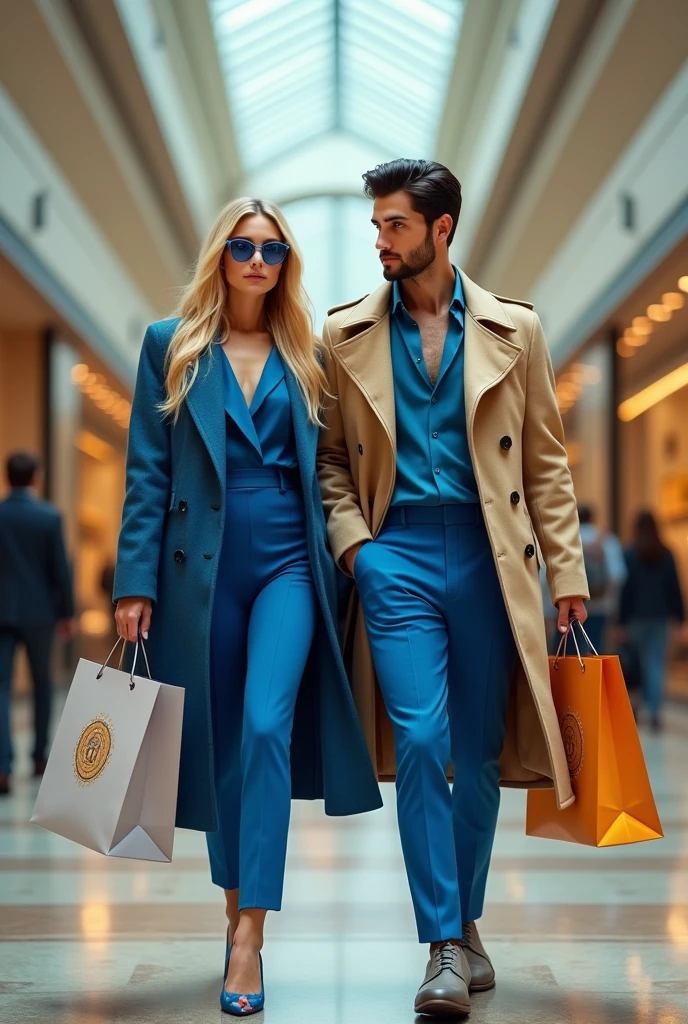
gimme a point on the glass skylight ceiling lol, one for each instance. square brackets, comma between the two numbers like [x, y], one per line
[376, 70]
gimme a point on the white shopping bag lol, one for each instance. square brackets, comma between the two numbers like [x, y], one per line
[111, 779]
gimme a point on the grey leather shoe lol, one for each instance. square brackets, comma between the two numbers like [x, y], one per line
[444, 992]
[482, 971]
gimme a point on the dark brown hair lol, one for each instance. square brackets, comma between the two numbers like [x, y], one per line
[21, 468]
[646, 537]
[433, 189]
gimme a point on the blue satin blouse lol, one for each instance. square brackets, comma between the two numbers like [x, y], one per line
[261, 434]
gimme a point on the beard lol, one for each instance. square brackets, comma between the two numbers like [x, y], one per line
[414, 263]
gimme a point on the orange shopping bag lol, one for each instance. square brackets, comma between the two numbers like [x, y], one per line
[614, 803]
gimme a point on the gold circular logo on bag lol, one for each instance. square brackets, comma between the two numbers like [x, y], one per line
[572, 735]
[93, 750]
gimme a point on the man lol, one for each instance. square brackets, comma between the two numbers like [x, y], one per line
[605, 568]
[441, 462]
[35, 592]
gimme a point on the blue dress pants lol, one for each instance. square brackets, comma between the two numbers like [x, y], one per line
[444, 655]
[264, 616]
[37, 638]
[650, 638]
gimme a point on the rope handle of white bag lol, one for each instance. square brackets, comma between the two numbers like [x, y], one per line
[564, 638]
[121, 640]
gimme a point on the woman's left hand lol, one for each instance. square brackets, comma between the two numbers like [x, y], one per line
[570, 608]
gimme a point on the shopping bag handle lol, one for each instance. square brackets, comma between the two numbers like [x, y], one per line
[564, 639]
[120, 639]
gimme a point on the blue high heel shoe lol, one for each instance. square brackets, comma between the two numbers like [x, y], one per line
[239, 1004]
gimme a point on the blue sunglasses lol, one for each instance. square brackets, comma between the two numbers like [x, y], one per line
[242, 250]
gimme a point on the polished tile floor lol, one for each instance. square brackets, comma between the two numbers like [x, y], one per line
[577, 935]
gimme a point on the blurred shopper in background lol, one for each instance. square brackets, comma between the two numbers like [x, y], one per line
[651, 599]
[605, 568]
[35, 594]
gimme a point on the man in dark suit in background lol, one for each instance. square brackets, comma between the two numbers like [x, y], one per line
[35, 595]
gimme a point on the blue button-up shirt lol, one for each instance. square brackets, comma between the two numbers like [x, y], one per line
[262, 434]
[433, 459]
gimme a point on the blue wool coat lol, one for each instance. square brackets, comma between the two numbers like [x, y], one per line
[175, 500]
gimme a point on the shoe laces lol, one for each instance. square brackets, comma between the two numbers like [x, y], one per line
[445, 956]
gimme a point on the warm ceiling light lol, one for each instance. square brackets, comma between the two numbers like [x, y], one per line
[94, 446]
[659, 312]
[674, 300]
[643, 325]
[79, 373]
[654, 393]
[683, 283]
[624, 349]
[633, 339]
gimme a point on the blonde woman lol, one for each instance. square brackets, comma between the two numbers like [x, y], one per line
[223, 568]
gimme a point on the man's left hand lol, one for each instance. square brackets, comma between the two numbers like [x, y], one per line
[570, 608]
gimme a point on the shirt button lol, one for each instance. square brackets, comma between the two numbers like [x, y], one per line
[434, 433]
[437, 469]
[417, 360]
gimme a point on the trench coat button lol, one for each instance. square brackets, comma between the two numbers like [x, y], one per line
[183, 505]
[179, 555]
[360, 449]
[207, 556]
[530, 550]
[514, 497]
[216, 508]
[505, 442]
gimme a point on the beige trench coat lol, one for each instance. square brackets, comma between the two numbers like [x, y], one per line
[509, 390]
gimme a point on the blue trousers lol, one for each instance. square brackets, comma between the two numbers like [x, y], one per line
[650, 637]
[37, 638]
[444, 656]
[264, 616]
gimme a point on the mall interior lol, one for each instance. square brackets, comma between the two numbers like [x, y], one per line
[125, 125]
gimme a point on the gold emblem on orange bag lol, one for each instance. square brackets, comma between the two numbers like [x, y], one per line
[93, 750]
[572, 735]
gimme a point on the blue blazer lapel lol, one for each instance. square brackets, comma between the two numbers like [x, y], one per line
[235, 406]
[305, 432]
[273, 373]
[205, 402]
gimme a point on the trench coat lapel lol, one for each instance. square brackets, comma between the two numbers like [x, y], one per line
[488, 357]
[366, 350]
[367, 355]
[206, 403]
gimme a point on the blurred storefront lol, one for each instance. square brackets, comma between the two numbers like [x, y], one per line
[624, 403]
[59, 400]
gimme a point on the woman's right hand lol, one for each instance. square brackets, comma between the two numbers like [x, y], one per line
[131, 613]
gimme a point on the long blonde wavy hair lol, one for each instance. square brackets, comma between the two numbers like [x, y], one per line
[205, 315]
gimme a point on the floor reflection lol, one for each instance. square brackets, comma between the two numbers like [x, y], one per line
[577, 935]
